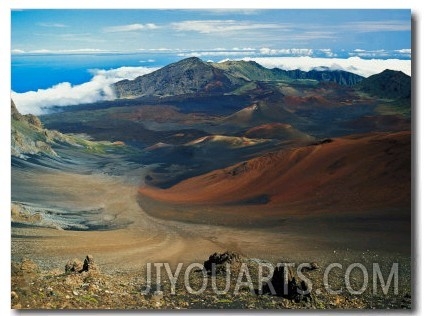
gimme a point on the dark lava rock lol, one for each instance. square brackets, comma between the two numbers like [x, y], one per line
[76, 266]
[312, 266]
[89, 264]
[285, 284]
[73, 266]
[219, 260]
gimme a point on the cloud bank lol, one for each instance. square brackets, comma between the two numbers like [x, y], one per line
[357, 65]
[130, 27]
[66, 94]
[404, 53]
[221, 26]
[98, 88]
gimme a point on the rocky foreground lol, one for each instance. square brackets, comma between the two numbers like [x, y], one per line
[224, 281]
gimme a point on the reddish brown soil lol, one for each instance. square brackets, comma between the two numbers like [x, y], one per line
[277, 131]
[356, 173]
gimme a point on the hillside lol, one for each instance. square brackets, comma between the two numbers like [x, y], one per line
[388, 84]
[252, 71]
[277, 131]
[343, 78]
[351, 173]
[29, 137]
[187, 76]
[260, 113]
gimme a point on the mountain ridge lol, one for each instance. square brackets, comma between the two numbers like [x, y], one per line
[252, 71]
[194, 76]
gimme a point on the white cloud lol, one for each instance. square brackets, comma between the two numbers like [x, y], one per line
[312, 35]
[363, 67]
[404, 51]
[378, 26]
[58, 25]
[160, 50]
[241, 49]
[130, 27]
[379, 53]
[215, 12]
[328, 52]
[287, 51]
[41, 51]
[65, 94]
[17, 51]
[216, 53]
[221, 26]
[147, 61]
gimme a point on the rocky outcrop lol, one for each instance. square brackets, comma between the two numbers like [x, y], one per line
[28, 135]
[77, 266]
[26, 266]
[73, 266]
[28, 118]
[15, 113]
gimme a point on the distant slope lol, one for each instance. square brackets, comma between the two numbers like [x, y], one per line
[193, 76]
[355, 173]
[259, 113]
[187, 76]
[277, 131]
[178, 162]
[388, 84]
[341, 77]
[252, 71]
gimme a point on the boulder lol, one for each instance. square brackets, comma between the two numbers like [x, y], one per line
[77, 266]
[89, 264]
[73, 266]
[285, 284]
[220, 260]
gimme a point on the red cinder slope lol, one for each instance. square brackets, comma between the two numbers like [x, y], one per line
[355, 172]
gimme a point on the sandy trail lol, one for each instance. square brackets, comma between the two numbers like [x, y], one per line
[146, 239]
[139, 238]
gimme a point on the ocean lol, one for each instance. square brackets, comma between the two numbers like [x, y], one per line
[33, 72]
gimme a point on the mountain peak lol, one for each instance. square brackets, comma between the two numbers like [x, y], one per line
[192, 60]
[392, 72]
[187, 76]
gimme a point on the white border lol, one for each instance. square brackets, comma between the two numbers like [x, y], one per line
[7, 5]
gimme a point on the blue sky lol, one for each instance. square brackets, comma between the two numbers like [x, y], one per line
[321, 33]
